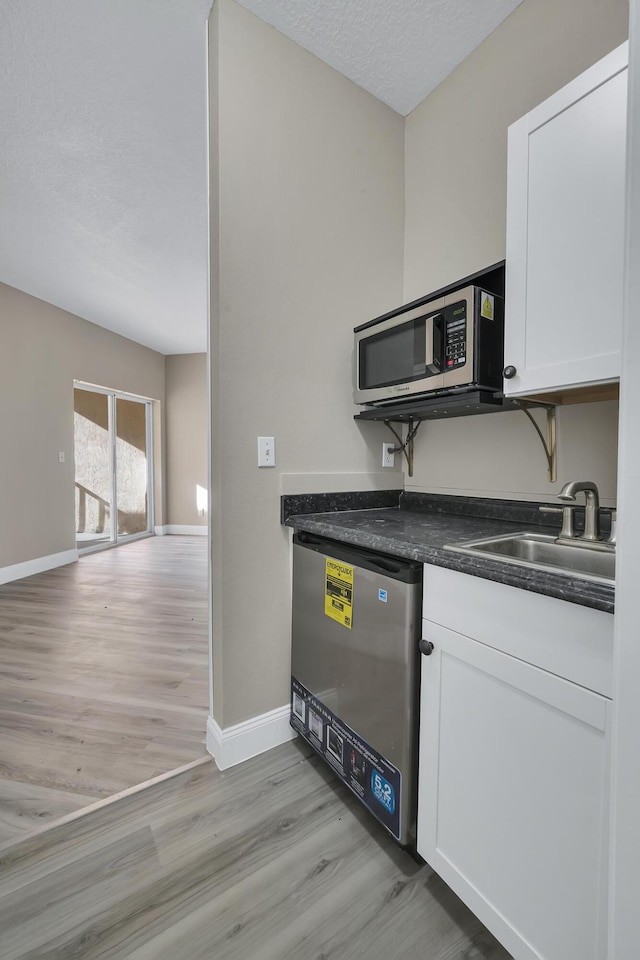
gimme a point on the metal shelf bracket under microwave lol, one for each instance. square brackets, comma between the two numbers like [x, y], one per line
[463, 404]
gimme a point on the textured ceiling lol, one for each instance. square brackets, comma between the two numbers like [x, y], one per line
[398, 50]
[103, 181]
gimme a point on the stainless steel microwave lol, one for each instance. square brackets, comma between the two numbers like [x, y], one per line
[451, 343]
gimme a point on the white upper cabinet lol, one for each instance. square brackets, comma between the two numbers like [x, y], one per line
[565, 234]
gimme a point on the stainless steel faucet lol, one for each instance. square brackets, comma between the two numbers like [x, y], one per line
[592, 510]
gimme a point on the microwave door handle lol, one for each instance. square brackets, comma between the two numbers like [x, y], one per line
[432, 331]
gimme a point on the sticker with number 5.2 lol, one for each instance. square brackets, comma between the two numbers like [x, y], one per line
[383, 791]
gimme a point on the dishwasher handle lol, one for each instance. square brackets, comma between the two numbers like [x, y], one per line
[409, 571]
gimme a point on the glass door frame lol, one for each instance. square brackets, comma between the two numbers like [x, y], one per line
[112, 397]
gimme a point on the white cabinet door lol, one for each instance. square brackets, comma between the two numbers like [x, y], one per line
[565, 234]
[512, 797]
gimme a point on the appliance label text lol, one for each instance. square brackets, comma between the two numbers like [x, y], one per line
[375, 781]
[486, 306]
[338, 595]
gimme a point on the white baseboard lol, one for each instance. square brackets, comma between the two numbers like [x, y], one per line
[27, 569]
[181, 529]
[248, 739]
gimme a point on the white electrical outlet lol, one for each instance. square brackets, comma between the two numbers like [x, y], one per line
[61, 456]
[388, 456]
[266, 452]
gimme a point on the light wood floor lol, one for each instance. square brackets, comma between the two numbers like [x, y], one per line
[103, 677]
[271, 860]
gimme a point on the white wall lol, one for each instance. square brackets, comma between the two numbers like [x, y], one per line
[456, 167]
[308, 239]
[456, 139]
[307, 189]
[500, 454]
[43, 349]
[186, 420]
[625, 879]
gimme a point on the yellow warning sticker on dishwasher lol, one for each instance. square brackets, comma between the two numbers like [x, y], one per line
[486, 306]
[338, 596]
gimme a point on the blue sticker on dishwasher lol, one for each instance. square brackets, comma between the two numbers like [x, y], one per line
[369, 775]
[383, 791]
[382, 595]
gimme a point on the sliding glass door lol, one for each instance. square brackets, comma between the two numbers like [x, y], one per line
[131, 468]
[113, 466]
[94, 484]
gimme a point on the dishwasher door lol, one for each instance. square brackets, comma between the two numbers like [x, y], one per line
[354, 665]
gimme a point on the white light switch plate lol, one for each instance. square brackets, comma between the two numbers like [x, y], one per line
[266, 452]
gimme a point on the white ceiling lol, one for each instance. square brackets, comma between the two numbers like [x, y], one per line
[398, 50]
[103, 181]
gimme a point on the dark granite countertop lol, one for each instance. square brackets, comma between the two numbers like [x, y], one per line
[422, 534]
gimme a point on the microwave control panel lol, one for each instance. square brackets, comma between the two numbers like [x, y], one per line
[455, 335]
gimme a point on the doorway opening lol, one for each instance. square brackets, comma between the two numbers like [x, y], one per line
[113, 467]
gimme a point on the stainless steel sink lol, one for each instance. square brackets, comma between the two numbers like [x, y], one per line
[541, 552]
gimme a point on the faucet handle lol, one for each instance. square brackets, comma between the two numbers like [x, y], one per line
[568, 531]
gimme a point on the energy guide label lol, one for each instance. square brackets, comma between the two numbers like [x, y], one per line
[338, 594]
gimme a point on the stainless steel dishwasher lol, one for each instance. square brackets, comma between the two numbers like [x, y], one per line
[354, 671]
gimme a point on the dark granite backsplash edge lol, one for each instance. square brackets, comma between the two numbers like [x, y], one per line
[292, 505]
[519, 511]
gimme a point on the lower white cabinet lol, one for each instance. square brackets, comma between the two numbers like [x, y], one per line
[513, 793]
